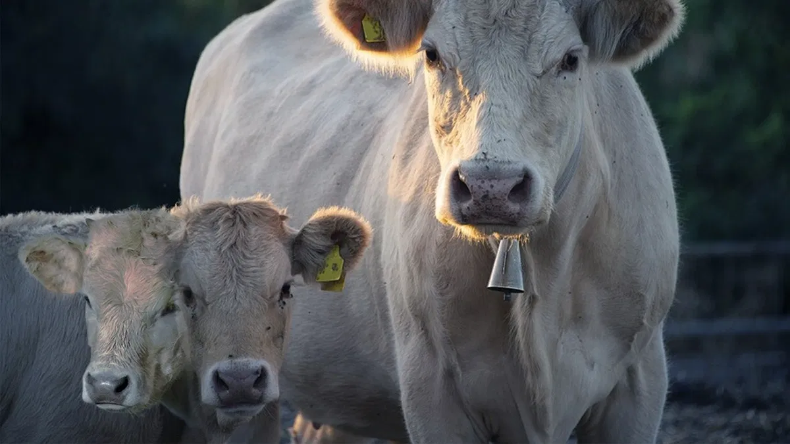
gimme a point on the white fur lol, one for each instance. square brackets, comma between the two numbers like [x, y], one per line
[275, 105]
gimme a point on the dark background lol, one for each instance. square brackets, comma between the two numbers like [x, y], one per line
[93, 94]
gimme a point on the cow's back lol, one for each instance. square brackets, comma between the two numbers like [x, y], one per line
[254, 105]
[43, 354]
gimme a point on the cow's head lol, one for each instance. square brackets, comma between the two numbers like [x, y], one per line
[506, 82]
[124, 267]
[240, 260]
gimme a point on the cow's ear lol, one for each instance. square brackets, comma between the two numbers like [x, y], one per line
[630, 32]
[326, 229]
[381, 34]
[57, 262]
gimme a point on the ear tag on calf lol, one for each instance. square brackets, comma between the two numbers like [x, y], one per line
[372, 29]
[333, 267]
[336, 285]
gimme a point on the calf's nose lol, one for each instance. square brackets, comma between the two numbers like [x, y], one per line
[239, 382]
[107, 387]
[484, 192]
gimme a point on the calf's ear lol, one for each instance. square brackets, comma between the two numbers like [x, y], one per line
[327, 228]
[630, 32]
[57, 262]
[382, 34]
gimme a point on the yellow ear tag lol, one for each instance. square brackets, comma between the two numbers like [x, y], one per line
[372, 29]
[336, 285]
[333, 267]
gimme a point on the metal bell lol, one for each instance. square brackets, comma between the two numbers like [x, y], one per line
[507, 275]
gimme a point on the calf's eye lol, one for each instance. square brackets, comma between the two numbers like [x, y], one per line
[285, 292]
[169, 308]
[189, 297]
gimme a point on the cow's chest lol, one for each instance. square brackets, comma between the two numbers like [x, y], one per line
[494, 396]
[463, 341]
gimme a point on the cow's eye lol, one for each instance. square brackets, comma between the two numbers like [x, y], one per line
[432, 58]
[569, 63]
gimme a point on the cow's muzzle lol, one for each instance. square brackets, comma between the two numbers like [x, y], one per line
[501, 195]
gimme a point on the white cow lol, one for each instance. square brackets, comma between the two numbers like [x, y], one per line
[501, 108]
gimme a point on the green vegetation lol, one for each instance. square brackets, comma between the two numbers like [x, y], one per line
[721, 98]
[93, 94]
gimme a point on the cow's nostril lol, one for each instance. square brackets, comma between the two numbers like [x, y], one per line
[260, 380]
[520, 191]
[459, 189]
[219, 383]
[123, 383]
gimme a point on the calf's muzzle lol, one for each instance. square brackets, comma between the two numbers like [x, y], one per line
[239, 382]
[108, 387]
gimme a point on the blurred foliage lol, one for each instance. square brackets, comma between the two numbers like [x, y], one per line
[93, 94]
[93, 97]
[720, 95]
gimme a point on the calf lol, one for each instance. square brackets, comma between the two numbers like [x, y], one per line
[43, 351]
[190, 307]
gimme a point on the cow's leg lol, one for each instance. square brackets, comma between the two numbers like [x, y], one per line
[632, 412]
[432, 407]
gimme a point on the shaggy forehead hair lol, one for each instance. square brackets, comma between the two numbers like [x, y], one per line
[488, 14]
[132, 255]
[231, 238]
[231, 220]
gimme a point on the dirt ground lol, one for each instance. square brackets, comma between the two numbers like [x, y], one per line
[752, 409]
